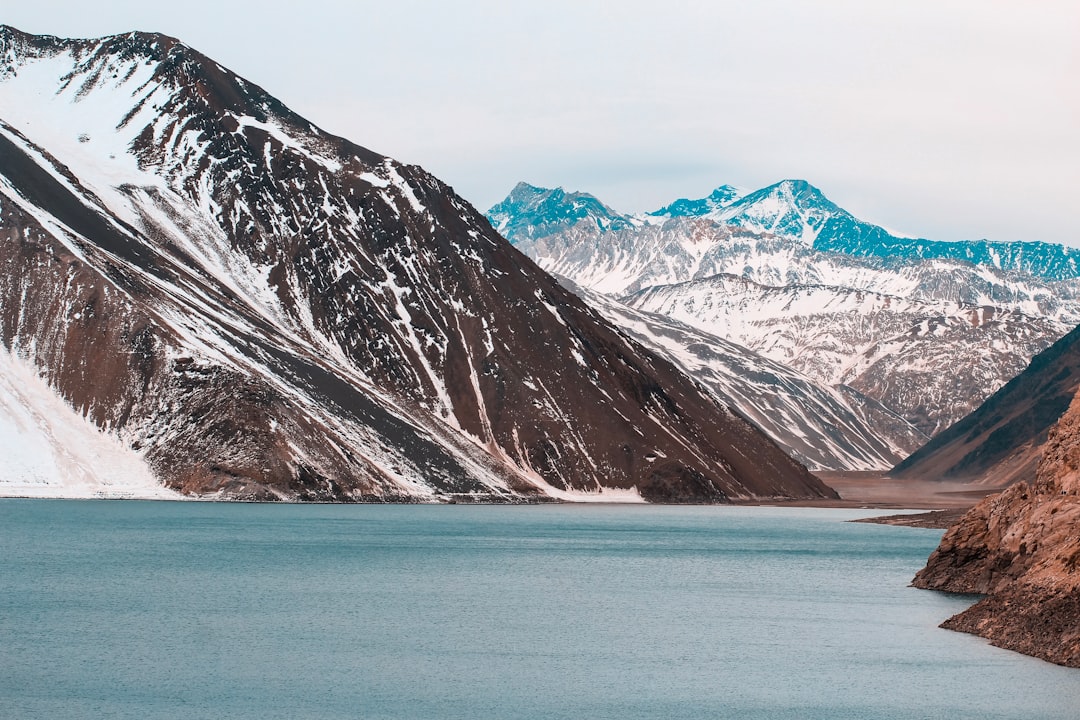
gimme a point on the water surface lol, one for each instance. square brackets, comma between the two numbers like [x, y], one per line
[126, 609]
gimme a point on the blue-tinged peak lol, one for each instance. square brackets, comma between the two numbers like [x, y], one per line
[719, 198]
[531, 212]
[798, 194]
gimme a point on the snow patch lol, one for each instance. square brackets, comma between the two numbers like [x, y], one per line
[51, 451]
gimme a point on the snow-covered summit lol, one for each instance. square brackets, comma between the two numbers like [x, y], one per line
[715, 201]
[799, 211]
[534, 212]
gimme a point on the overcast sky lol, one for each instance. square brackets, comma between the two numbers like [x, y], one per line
[948, 119]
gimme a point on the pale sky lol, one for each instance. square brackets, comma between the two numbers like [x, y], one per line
[947, 119]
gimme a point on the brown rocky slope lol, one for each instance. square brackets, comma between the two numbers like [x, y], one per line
[261, 310]
[1021, 548]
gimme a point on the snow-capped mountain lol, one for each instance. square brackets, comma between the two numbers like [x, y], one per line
[792, 209]
[747, 268]
[825, 428]
[532, 212]
[259, 309]
[718, 199]
[925, 360]
[624, 261]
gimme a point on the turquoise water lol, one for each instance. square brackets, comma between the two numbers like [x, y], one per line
[197, 610]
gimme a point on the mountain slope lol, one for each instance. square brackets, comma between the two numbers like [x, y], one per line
[1001, 441]
[889, 348]
[49, 450]
[824, 428]
[265, 310]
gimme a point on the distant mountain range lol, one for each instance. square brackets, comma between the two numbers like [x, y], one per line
[252, 308]
[792, 209]
[927, 329]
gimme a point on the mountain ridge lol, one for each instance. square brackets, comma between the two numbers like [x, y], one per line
[799, 210]
[893, 329]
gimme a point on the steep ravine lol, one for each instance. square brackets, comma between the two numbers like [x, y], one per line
[1021, 549]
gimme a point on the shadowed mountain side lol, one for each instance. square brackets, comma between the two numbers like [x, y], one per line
[1001, 441]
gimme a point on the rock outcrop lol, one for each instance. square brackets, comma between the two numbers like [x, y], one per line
[1021, 548]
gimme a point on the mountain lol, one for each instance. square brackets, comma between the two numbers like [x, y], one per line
[719, 198]
[822, 427]
[261, 310]
[796, 210]
[1001, 441]
[1019, 549]
[892, 328]
[890, 348]
[533, 212]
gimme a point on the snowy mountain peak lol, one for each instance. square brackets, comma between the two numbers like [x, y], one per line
[791, 208]
[531, 212]
[718, 199]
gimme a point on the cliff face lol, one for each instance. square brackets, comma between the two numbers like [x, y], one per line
[1021, 548]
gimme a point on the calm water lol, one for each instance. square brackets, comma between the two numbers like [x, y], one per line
[196, 610]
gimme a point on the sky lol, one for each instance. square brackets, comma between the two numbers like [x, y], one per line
[946, 119]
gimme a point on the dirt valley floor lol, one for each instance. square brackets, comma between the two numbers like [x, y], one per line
[946, 501]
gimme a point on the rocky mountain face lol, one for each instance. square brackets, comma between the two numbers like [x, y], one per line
[928, 339]
[822, 427]
[1001, 441]
[532, 212]
[1021, 549]
[263, 310]
[889, 348]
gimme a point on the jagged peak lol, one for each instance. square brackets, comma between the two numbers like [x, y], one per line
[799, 191]
[718, 199]
[530, 211]
[200, 84]
[12, 36]
[725, 191]
[533, 196]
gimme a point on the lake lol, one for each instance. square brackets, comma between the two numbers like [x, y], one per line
[129, 609]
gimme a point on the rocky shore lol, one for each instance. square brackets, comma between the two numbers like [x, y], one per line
[1021, 549]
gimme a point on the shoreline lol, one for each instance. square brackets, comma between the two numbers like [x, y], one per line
[944, 502]
[877, 491]
[857, 490]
